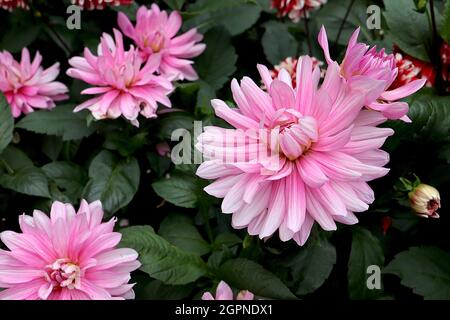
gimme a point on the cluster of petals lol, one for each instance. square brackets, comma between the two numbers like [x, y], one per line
[296, 9]
[67, 256]
[13, 4]
[155, 33]
[362, 61]
[290, 65]
[26, 85]
[325, 145]
[224, 292]
[124, 84]
[100, 4]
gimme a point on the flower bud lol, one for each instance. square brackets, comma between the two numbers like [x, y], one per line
[425, 201]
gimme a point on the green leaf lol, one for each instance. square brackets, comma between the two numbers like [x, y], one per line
[278, 43]
[6, 123]
[125, 144]
[408, 28]
[180, 231]
[169, 122]
[19, 37]
[313, 265]
[204, 97]
[366, 250]
[160, 259]
[113, 180]
[157, 290]
[445, 30]
[425, 270]
[180, 189]
[27, 180]
[217, 63]
[60, 121]
[129, 10]
[430, 117]
[226, 239]
[235, 15]
[15, 158]
[246, 274]
[69, 177]
[175, 4]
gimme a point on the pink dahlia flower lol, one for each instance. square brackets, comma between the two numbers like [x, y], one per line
[155, 33]
[124, 86]
[296, 9]
[290, 65]
[13, 4]
[67, 256]
[27, 86]
[362, 61]
[100, 4]
[322, 150]
[224, 292]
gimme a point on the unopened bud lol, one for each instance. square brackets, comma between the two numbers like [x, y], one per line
[425, 201]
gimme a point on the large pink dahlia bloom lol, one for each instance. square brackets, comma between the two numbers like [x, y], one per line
[362, 61]
[322, 151]
[125, 87]
[224, 292]
[155, 33]
[26, 85]
[67, 256]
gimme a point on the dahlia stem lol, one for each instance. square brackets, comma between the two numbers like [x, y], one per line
[436, 52]
[204, 211]
[341, 27]
[308, 34]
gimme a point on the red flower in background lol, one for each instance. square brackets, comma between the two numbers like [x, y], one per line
[296, 9]
[410, 69]
[445, 57]
[13, 4]
[290, 65]
[100, 4]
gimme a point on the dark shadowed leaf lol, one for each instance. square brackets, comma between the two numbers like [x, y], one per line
[160, 259]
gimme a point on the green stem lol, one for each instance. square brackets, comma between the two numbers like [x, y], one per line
[436, 57]
[204, 211]
[7, 166]
[308, 35]
[341, 27]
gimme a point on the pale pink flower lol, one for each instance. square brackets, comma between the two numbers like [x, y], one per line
[27, 86]
[326, 149]
[67, 256]
[155, 33]
[362, 61]
[125, 86]
[296, 9]
[224, 292]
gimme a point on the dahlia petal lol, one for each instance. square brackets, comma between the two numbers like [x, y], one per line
[323, 41]
[311, 173]
[404, 90]
[275, 215]
[233, 117]
[303, 235]
[282, 95]
[114, 257]
[224, 292]
[317, 211]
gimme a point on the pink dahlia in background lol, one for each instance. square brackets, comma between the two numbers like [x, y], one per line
[27, 86]
[100, 4]
[323, 150]
[290, 65]
[67, 256]
[224, 292]
[123, 84]
[155, 33]
[296, 9]
[13, 4]
[362, 61]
